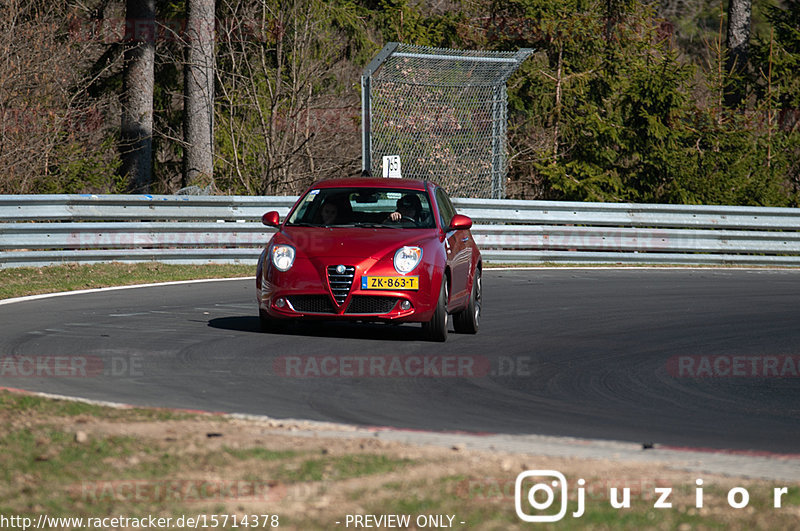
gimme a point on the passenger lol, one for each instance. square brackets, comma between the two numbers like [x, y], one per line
[335, 210]
[329, 213]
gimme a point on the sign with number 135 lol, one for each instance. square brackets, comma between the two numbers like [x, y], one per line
[391, 166]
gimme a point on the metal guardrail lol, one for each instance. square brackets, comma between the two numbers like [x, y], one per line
[16, 208]
[51, 229]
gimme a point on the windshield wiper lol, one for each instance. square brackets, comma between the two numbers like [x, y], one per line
[303, 224]
[369, 225]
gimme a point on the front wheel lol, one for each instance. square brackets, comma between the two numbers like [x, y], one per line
[467, 320]
[436, 328]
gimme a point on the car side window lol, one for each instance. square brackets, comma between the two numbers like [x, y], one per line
[446, 208]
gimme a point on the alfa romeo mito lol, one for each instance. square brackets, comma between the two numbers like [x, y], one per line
[370, 249]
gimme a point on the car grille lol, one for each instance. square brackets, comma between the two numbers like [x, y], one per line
[312, 303]
[371, 304]
[340, 283]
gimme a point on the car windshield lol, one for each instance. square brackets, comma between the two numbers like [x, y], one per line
[364, 207]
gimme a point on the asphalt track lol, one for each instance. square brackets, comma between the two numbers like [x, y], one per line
[584, 353]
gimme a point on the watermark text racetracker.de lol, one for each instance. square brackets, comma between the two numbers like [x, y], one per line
[543, 496]
[734, 366]
[70, 366]
[179, 490]
[401, 366]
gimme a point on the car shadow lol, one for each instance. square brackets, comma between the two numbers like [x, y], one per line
[347, 330]
[244, 323]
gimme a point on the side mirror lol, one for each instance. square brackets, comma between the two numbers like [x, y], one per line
[460, 222]
[271, 219]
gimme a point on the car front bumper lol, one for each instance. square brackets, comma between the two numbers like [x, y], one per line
[309, 290]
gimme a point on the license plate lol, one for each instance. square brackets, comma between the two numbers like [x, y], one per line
[389, 282]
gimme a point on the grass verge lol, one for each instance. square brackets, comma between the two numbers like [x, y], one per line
[17, 282]
[75, 460]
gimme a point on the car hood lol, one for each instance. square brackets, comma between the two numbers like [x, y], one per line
[341, 242]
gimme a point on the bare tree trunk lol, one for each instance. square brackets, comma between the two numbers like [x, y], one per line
[198, 89]
[557, 110]
[136, 146]
[738, 38]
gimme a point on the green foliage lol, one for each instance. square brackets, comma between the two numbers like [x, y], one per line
[725, 164]
[626, 131]
[610, 110]
[405, 21]
[777, 90]
[783, 52]
[614, 94]
[80, 171]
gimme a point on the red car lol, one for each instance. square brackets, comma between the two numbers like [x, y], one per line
[370, 249]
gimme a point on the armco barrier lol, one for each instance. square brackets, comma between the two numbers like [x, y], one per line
[38, 230]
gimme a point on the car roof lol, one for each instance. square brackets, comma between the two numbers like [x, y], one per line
[372, 182]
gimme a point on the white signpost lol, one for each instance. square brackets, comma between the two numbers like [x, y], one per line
[391, 167]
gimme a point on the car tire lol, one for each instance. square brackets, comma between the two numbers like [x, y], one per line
[436, 328]
[468, 320]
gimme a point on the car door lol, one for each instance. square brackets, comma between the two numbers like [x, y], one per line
[458, 252]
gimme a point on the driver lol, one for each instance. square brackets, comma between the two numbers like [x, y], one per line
[409, 207]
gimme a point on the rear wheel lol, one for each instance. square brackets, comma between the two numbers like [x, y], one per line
[436, 328]
[468, 320]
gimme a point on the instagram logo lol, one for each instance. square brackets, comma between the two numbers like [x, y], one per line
[541, 489]
[541, 495]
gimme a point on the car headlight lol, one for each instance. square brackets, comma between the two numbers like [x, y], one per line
[282, 257]
[406, 259]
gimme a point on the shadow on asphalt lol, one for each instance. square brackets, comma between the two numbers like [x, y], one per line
[370, 331]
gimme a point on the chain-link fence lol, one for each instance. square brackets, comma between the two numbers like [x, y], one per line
[443, 112]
